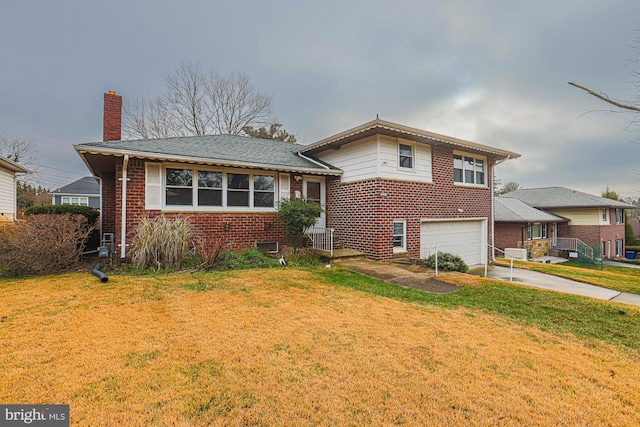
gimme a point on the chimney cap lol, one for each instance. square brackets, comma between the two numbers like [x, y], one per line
[112, 92]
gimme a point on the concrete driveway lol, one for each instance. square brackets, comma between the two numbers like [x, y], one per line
[620, 264]
[559, 284]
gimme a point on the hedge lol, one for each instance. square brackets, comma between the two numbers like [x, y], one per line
[91, 214]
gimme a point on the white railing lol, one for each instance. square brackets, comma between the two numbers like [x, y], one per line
[321, 238]
[574, 244]
[567, 243]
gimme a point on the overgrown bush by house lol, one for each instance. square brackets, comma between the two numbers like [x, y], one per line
[250, 258]
[298, 214]
[90, 214]
[207, 249]
[161, 242]
[42, 244]
[446, 262]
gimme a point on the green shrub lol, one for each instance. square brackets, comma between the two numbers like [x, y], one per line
[303, 259]
[446, 262]
[632, 248]
[90, 214]
[161, 242]
[250, 258]
[297, 215]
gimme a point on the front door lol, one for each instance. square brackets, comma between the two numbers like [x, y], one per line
[313, 190]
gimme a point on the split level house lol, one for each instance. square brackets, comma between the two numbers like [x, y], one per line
[388, 190]
[8, 191]
[543, 220]
[83, 192]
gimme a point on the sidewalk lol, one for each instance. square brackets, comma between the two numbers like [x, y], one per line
[559, 284]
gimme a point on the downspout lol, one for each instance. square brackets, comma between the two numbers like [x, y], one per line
[123, 226]
[101, 213]
[493, 207]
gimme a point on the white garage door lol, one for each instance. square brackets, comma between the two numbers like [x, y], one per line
[464, 238]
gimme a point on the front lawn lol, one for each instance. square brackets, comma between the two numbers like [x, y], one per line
[620, 279]
[318, 346]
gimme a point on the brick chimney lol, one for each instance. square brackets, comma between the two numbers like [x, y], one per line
[112, 124]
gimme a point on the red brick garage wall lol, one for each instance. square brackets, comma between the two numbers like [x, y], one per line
[363, 212]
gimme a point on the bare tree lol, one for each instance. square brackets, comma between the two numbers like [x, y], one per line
[624, 105]
[18, 149]
[508, 188]
[199, 103]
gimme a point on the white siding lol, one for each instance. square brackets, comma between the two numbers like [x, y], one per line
[7, 195]
[377, 157]
[358, 159]
[389, 161]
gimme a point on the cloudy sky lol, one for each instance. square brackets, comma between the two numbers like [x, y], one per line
[493, 72]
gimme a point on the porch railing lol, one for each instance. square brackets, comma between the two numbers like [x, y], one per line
[576, 245]
[321, 238]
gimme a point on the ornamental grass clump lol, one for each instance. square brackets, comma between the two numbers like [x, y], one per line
[161, 242]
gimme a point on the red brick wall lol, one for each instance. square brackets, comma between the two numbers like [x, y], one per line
[108, 210]
[594, 234]
[363, 218]
[112, 122]
[508, 234]
[241, 230]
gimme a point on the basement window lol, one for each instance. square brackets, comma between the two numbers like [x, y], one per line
[399, 236]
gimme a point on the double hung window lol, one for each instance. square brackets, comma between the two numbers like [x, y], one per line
[399, 236]
[405, 156]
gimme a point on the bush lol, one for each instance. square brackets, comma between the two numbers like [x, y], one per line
[161, 243]
[90, 214]
[42, 244]
[446, 262]
[250, 258]
[297, 215]
[207, 249]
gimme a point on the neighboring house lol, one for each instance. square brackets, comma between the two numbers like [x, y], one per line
[388, 190]
[518, 225]
[635, 225]
[588, 218]
[8, 193]
[83, 192]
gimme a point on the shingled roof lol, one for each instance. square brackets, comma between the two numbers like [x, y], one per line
[86, 186]
[513, 210]
[560, 197]
[218, 150]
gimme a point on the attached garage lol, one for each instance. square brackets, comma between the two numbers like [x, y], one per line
[466, 238]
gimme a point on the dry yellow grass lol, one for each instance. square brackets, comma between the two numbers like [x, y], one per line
[276, 347]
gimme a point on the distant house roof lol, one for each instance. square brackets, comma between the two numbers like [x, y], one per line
[560, 197]
[87, 186]
[379, 126]
[12, 166]
[217, 150]
[513, 210]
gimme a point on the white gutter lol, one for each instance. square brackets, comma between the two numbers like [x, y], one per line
[123, 226]
[313, 161]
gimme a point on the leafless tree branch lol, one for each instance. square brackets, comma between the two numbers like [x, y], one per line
[605, 98]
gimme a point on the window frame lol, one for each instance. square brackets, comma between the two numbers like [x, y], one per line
[479, 169]
[403, 236]
[619, 216]
[412, 157]
[80, 199]
[604, 214]
[542, 227]
[224, 206]
[619, 247]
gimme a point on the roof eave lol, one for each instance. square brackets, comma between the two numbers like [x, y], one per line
[428, 137]
[83, 149]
